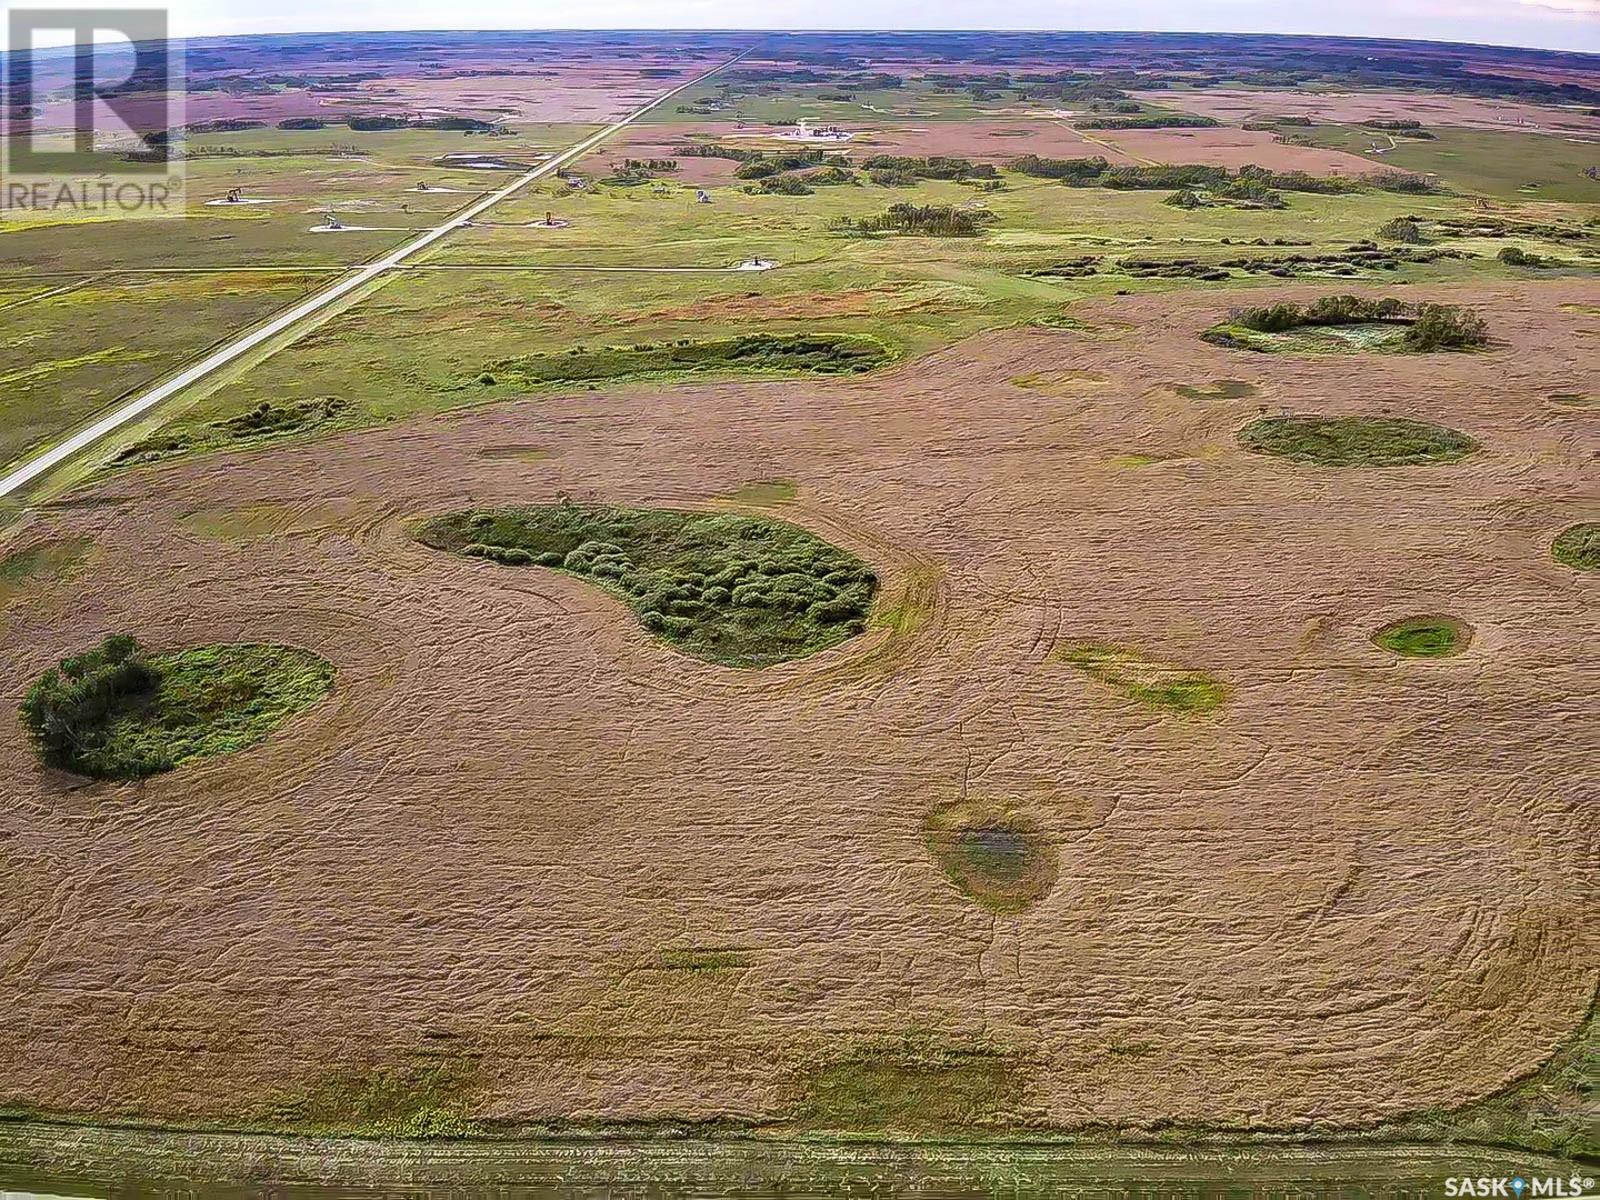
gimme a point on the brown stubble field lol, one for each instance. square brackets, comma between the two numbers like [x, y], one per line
[583, 79]
[1362, 887]
[1465, 112]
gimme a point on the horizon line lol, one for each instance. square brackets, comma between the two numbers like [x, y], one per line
[734, 31]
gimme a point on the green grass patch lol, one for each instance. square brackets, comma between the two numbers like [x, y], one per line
[1221, 389]
[425, 1099]
[1356, 441]
[703, 958]
[998, 857]
[47, 561]
[764, 492]
[815, 354]
[1549, 1112]
[1578, 546]
[1065, 321]
[1509, 165]
[736, 590]
[1138, 458]
[1424, 637]
[115, 712]
[1154, 684]
[1574, 400]
[910, 1085]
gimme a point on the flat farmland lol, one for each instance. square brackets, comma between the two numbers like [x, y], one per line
[529, 853]
[1049, 616]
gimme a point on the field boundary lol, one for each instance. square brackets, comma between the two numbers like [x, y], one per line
[40, 1152]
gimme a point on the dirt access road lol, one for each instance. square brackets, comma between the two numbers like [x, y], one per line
[289, 322]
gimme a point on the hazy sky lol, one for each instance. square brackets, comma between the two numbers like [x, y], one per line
[1558, 24]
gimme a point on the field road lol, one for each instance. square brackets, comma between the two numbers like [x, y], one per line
[49, 459]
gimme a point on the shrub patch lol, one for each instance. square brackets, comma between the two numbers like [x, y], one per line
[264, 422]
[736, 590]
[115, 712]
[819, 354]
[1351, 323]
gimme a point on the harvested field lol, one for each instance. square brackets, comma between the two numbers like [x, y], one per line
[1232, 148]
[547, 83]
[529, 862]
[1337, 108]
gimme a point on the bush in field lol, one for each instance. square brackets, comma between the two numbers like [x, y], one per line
[66, 712]
[1326, 310]
[1352, 310]
[1077, 170]
[781, 185]
[1163, 176]
[1402, 229]
[815, 353]
[933, 167]
[1446, 327]
[827, 176]
[928, 220]
[1273, 318]
[1413, 185]
[115, 713]
[1516, 256]
[1249, 191]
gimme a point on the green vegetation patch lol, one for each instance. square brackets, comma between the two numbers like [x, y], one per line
[1356, 441]
[1578, 546]
[1549, 1112]
[266, 421]
[765, 492]
[1424, 637]
[1154, 684]
[703, 958]
[737, 590]
[911, 1085]
[1221, 389]
[923, 220]
[816, 353]
[424, 1099]
[998, 857]
[115, 712]
[46, 561]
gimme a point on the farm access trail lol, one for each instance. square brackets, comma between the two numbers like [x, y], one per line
[289, 322]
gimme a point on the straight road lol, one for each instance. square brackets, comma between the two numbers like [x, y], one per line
[53, 457]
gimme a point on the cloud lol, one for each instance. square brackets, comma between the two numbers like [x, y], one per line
[1576, 7]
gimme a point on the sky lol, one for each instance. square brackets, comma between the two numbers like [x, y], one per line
[1551, 24]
